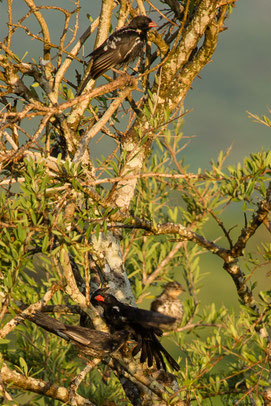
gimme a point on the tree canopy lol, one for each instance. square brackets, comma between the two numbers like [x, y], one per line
[95, 189]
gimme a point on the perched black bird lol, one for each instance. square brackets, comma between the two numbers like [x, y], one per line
[143, 325]
[122, 47]
[89, 342]
[168, 303]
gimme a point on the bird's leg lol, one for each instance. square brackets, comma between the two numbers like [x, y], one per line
[141, 64]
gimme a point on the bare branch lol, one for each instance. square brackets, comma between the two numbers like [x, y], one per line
[264, 208]
[46, 36]
[81, 153]
[73, 291]
[39, 386]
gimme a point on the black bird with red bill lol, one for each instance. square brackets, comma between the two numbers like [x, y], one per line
[143, 325]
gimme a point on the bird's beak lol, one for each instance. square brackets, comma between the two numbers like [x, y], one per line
[152, 24]
[100, 298]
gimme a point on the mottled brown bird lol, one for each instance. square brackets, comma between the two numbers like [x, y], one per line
[168, 302]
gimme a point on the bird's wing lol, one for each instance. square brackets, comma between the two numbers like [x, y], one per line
[124, 35]
[146, 318]
[115, 51]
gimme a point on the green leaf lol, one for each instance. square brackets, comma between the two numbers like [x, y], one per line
[105, 228]
[98, 231]
[23, 365]
[45, 243]
[21, 232]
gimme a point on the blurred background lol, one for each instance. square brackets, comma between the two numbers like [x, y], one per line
[237, 80]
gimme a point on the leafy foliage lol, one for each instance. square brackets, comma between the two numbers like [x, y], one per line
[69, 222]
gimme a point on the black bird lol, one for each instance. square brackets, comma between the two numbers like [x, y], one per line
[168, 303]
[143, 325]
[89, 342]
[122, 47]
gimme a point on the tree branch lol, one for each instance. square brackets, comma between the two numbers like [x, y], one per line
[180, 77]
[10, 377]
[82, 151]
[29, 310]
[264, 208]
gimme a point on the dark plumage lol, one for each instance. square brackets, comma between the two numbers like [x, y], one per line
[143, 325]
[122, 47]
[89, 342]
[168, 303]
